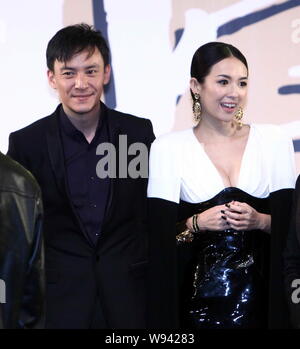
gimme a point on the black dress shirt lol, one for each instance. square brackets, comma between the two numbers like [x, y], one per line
[87, 191]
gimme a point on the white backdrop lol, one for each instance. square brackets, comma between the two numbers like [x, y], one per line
[25, 29]
[151, 67]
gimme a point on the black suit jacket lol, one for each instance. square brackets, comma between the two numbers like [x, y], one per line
[78, 272]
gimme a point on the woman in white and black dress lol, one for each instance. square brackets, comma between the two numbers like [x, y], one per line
[228, 186]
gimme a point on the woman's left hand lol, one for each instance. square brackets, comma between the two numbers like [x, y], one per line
[241, 216]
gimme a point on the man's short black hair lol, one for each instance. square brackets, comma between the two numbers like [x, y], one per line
[74, 39]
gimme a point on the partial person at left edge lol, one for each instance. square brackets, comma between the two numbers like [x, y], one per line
[95, 226]
[21, 248]
[292, 262]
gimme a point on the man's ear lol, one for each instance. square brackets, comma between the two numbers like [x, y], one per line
[195, 86]
[107, 70]
[51, 79]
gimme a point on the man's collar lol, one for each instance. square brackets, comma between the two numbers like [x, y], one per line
[70, 129]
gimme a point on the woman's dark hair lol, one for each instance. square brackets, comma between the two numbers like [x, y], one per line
[74, 39]
[208, 55]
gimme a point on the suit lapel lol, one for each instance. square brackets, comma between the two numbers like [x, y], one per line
[114, 130]
[56, 156]
[55, 151]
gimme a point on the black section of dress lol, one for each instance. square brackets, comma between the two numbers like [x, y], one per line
[162, 282]
[224, 275]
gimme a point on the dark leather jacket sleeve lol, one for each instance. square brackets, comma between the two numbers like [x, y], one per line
[21, 247]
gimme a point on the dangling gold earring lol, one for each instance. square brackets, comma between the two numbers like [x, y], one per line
[238, 116]
[197, 107]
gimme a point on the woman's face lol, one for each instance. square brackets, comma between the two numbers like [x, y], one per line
[224, 89]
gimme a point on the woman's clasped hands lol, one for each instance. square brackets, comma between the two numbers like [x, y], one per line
[233, 215]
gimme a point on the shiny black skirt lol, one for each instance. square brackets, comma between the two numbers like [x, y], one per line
[224, 275]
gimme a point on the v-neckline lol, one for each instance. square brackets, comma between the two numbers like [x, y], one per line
[218, 174]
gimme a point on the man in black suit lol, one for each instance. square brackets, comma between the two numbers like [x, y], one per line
[95, 210]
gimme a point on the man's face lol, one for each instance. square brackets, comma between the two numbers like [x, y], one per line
[80, 82]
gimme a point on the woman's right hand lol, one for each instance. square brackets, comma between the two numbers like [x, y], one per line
[211, 219]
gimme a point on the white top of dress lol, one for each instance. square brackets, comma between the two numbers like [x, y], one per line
[181, 169]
